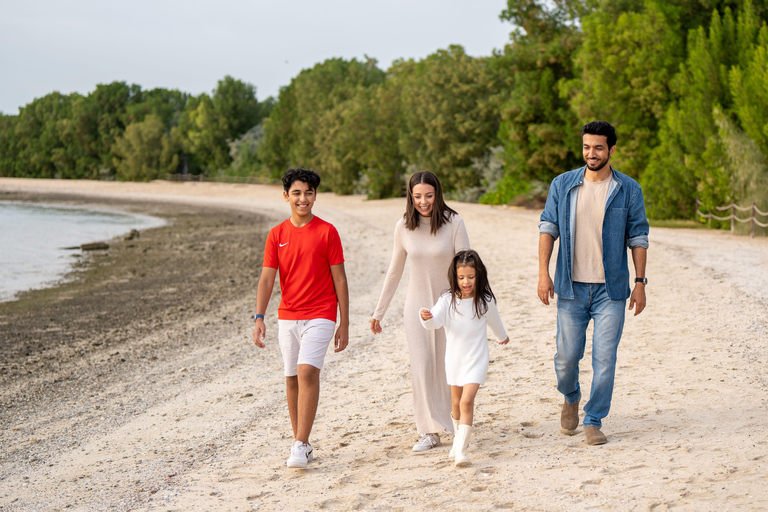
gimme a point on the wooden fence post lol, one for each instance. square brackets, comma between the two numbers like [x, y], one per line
[733, 217]
[752, 221]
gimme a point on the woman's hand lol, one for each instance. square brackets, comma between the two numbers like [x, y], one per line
[375, 326]
[425, 314]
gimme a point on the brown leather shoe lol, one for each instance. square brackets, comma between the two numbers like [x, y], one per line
[594, 436]
[569, 418]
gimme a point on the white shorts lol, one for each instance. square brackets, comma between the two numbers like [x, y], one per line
[304, 342]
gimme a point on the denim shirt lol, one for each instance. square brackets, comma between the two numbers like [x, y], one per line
[624, 225]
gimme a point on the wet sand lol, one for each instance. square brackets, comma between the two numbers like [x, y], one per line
[113, 397]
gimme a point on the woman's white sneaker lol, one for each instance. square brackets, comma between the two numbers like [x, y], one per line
[427, 442]
[301, 454]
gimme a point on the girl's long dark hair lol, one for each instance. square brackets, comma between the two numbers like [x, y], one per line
[441, 212]
[483, 292]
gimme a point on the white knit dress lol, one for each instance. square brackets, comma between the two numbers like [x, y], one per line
[429, 257]
[466, 351]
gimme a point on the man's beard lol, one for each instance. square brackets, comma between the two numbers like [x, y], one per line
[597, 167]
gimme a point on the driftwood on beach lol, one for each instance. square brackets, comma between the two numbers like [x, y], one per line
[95, 246]
[101, 246]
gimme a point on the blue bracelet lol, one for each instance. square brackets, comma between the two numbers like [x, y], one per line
[258, 316]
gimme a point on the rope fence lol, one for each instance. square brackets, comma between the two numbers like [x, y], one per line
[754, 212]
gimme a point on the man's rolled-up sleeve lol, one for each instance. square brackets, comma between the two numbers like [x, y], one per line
[548, 223]
[637, 222]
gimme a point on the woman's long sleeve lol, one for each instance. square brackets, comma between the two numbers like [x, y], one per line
[394, 273]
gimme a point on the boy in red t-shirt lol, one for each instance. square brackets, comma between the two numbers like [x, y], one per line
[307, 252]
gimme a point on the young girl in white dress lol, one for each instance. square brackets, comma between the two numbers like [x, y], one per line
[465, 311]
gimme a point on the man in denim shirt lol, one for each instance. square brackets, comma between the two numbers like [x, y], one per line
[597, 212]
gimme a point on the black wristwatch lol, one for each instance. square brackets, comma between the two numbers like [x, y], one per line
[643, 280]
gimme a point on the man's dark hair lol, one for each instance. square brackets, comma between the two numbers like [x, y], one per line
[307, 176]
[601, 128]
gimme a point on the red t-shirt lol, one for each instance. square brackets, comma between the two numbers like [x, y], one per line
[303, 257]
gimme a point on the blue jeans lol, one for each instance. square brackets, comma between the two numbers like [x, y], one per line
[590, 301]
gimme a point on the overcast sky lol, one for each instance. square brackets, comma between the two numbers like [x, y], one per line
[72, 45]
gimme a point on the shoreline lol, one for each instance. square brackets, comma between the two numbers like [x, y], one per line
[55, 276]
[185, 414]
[69, 341]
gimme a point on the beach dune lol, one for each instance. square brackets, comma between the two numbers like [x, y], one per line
[185, 413]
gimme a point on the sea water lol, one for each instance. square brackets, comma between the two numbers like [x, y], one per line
[33, 238]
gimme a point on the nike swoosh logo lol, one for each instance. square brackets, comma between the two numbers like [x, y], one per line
[281, 245]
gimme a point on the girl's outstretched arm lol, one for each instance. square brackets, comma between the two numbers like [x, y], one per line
[434, 318]
[495, 323]
[428, 320]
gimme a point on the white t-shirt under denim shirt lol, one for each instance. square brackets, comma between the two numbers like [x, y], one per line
[588, 232]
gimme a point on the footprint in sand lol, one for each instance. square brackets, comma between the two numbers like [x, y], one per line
[330, 504]
[501, 455]
[345, 480]
[394, 452]
[585, 483]
[263, 494]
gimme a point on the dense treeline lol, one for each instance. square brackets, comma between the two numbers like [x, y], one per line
[120, 131]
[683, 81]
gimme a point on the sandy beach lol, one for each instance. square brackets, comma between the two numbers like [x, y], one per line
[172, 407]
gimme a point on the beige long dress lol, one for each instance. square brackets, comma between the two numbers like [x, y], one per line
[429, 256]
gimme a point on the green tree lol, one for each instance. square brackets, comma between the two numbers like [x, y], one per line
[8, 147]
[210, 123]
[205, 135]
[748, 88]
[235, 103]
[539, 129]
[383, 162]
[167, 104]
[108, 104]
[145, 151]
[244, 153]
[38, 129]
[342, 134]
[450, 109]
[291, 131]
[625, 68]
[274, 149]
[691, 160]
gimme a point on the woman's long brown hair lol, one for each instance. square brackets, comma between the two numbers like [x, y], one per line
[441, 212]
[483, 292]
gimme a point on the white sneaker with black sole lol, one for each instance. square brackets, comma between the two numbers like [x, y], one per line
[301, 454]
[427, 442]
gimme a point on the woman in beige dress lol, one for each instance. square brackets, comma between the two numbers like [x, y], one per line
[429, 235]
